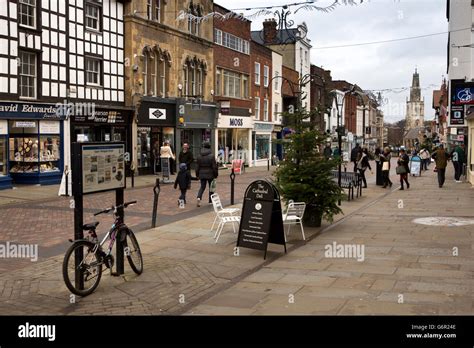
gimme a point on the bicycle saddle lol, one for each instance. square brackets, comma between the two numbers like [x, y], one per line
[90, 227]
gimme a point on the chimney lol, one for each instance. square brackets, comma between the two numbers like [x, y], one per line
[269, 31]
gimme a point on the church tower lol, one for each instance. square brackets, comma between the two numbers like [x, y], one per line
[415, 105]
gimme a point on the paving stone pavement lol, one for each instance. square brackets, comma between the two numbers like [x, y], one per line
[187, 273]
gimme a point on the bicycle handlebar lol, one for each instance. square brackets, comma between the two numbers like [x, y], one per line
[114, 208]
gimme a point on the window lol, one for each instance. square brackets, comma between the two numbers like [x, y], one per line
[257, 74]
[92, 17]
[218, 36]
[155, 71]
[28, 73]
[265, 109]
[193, 25]
[93, 71]
[265, 75]
[158, 11]
[231, 84]
[154, 10]
[163, 80]
[218, 82]
[245, 86]
[275, 79]
[306, 57]
[194, 77]
[275, 112]
[27, 13]
[200, 80]
[257, 108]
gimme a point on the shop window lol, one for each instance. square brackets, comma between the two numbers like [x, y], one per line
[28, 74]
[27, 13]
[93, 72]
[93, 17]
[3, 156]
[262, 144]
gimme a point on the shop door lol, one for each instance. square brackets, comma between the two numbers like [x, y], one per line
[156, 141]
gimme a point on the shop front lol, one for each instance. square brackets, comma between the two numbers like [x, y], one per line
[103, 125]
[262, 143]
[195, 125]
[31, 144]
[234, 139]
[156, 124]
[277, 147]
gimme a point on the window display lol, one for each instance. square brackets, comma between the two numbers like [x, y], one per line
[49, 153]
[23, 155]
[3, 157]
[262, 146]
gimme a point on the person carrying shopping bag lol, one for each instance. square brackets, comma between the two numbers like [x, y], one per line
[385, 158]
[403, 169]
[206, 171]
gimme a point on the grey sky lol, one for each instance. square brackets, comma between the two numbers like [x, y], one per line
[378, 66]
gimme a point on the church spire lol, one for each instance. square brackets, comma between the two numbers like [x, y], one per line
[415, 92]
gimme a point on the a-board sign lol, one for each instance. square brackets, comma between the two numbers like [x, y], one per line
[261, 221]
[415, 166]
[165, 167]
[103, 167]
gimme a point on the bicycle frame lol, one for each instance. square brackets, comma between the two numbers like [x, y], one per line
[112, 233]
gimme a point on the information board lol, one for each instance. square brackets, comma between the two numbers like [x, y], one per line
[415, 166]
[261, 221]
[103, 167]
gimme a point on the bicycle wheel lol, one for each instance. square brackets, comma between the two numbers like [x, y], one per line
[133, 253]
[90, 268]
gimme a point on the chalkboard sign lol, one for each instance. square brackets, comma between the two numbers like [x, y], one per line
[165, 167]
[261, 221]
[415, 166]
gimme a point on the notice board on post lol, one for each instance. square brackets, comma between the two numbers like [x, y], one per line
[103, 167]
[261, 221]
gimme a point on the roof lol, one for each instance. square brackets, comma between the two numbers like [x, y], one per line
[413, 133]
[283, 36]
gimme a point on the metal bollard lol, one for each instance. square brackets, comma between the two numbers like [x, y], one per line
[232, 184]
[156, 191]
[66, 172]
[132, 168]
[268, 163]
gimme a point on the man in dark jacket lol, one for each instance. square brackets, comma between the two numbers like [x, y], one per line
[183, 180]
[354, 156]
[206, 170]
[441, 159]
[327, 151]
[458, 157]
[186, 156]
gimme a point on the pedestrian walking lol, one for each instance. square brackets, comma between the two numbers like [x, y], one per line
[363, 164]
[186, 156]
[402, 169]
[183, 180]
[354, 154]
[441, 159]
[327, 151]
[458, 157]
[425, 158]
[385, 158]
[166, 152]
[206, 170]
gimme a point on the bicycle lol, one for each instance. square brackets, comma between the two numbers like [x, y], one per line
[90, 265]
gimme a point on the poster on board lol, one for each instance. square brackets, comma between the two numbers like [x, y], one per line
[103, 167]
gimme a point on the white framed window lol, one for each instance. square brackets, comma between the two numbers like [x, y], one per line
[27, 13]
[306, 57]
[28, 75]
[275, 81]
[275, 112]
[163, 79]
[149, 9]
[257, 108]
[200, 80]
[93, 72]
[186, 79]
[257, 73]
[266, 71]
[92, 15]
[265, 109]
[232, 84]
[158, 11]
[218, 36]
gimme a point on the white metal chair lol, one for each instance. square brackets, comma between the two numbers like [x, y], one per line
[223, 220]
[293, 216]
[220, 211]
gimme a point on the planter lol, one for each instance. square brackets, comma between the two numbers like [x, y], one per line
[312, 216]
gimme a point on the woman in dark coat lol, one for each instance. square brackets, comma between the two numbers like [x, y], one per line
[386, 157]
[206, 170]
[363, 164]
[403, 161]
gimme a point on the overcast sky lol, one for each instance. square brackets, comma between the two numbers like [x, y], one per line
[377, 66]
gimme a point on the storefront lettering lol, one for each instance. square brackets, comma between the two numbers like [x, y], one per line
[236, 122]
[9, 108]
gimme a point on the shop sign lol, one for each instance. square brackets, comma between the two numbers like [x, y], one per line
[25, 124]
[157, 114]
[234, 122]
[25, 110]
[456, 115]
[50, 127]
[102, 116]
[263, 127]
[3, 127]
